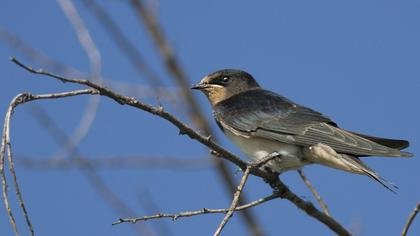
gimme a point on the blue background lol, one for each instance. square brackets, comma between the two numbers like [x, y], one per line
[356, 61]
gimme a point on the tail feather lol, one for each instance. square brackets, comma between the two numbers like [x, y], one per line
[397, 144]
[391, 143]
[388, 185]
[364, 169]
[325, 155]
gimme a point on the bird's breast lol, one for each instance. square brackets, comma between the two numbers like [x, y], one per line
[257, 148]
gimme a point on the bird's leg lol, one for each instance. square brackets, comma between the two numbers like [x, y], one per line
[274, 176]
[278, 187]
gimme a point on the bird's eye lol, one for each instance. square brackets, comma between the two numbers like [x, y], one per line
[226, 79]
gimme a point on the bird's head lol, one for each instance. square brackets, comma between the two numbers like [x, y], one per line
[223, 84]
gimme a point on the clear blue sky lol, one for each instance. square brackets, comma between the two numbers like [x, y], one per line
[356, 61]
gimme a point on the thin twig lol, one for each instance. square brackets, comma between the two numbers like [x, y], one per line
[164, 93]
[314, 192]
[410, 219]
[4, 142]
[6, 145]
[88, 169]
[239, 189]
[269, 177]
[124, 100]
[203, 211]
[149, 205]
[234, 203]
[228, 212]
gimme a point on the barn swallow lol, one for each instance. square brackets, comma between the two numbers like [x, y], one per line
[261, 122]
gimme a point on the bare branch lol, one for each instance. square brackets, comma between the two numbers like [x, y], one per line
[235, 202]
[410, 219]
[123, 100]
[164, 93]
[195, 112]
[203, 211]
[269, 177]
[88, 170]
[148, 204]
[6, 145]
[241, 185]
[229, 211]
[314, 192]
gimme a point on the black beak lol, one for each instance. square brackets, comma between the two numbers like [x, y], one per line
[200, 86]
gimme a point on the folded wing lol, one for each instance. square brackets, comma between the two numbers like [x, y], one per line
[264, 114]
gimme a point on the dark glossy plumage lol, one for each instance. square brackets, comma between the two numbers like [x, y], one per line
[264, 114]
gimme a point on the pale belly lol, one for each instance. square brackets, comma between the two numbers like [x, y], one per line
[291, 156]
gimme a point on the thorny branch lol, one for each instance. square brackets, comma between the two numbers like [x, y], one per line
[269, 177]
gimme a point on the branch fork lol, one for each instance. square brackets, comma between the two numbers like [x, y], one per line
[253, 168]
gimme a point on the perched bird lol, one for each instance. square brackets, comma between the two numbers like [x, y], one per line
[261, 122]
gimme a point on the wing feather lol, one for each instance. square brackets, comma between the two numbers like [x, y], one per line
[264, 114]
